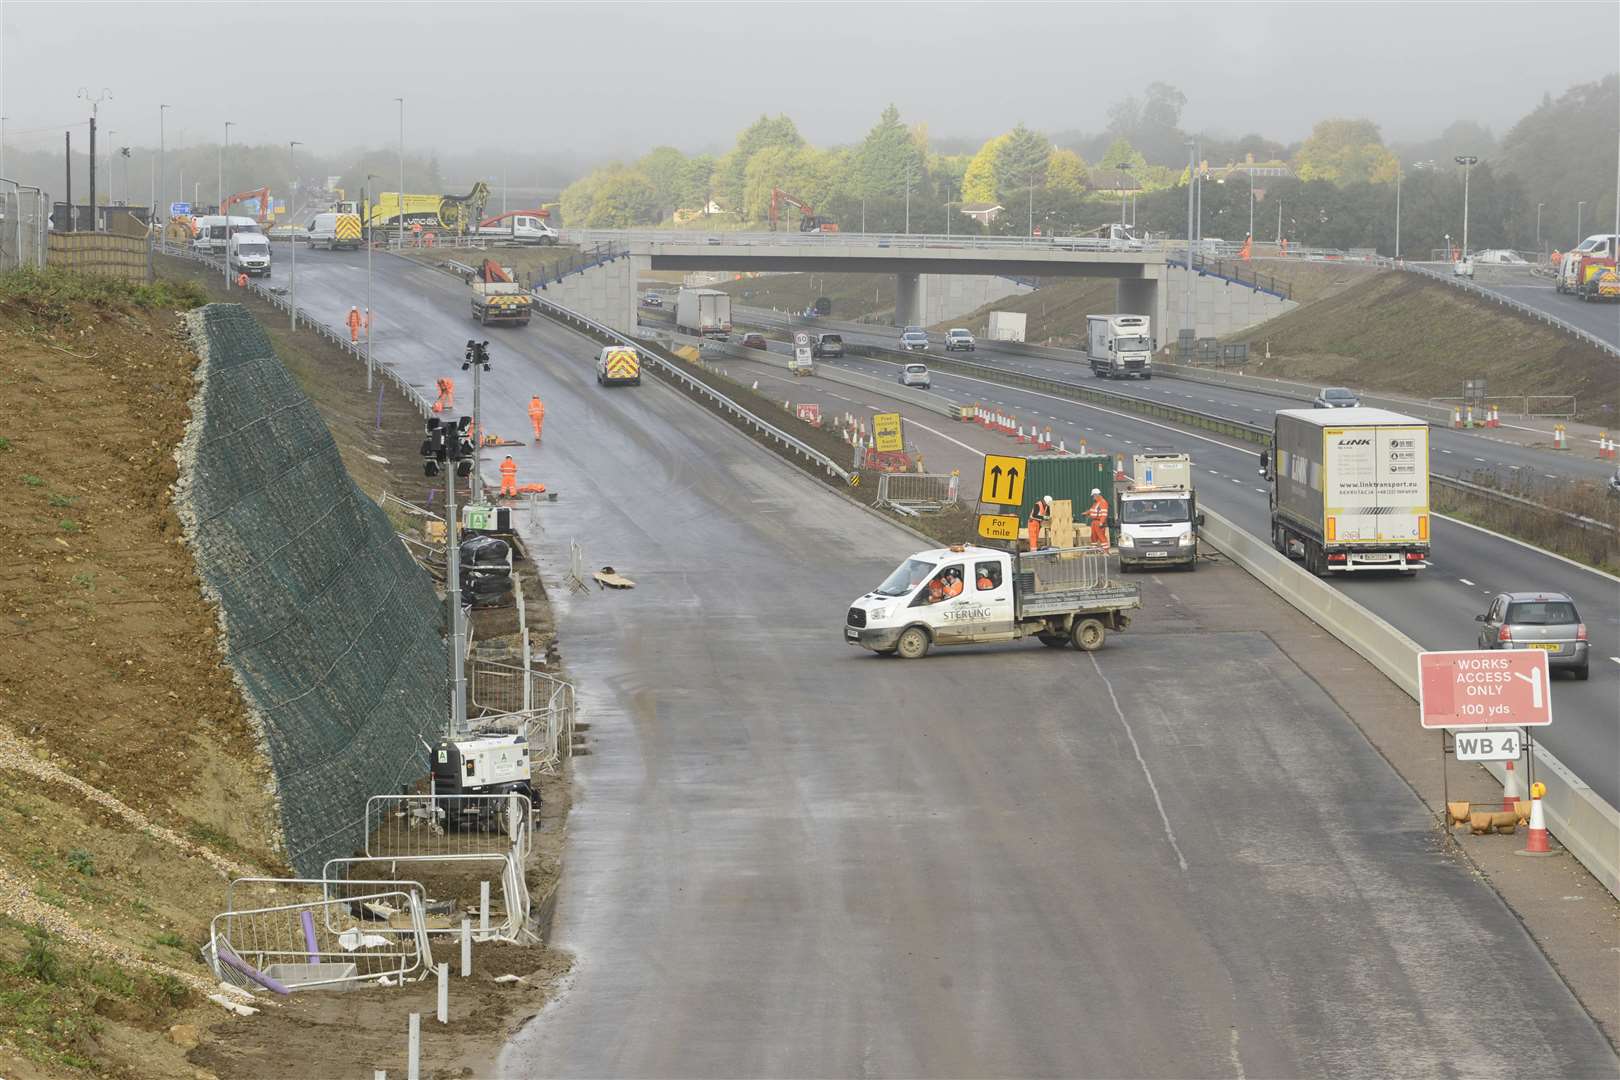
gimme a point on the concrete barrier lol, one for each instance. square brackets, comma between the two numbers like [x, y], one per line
[1583, 822]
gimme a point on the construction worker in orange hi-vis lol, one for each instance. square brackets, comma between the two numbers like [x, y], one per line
[537, 414]
[509, 476]
[1039, 515]
[1098, 514]
[354, 325]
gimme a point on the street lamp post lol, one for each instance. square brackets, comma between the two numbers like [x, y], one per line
[292, 277]
[163, 177]
[95, 113]
[399, 197]
[1467, 161]
[1539, 205]
[366, 194]
[1186, 294]
[111, 132]
[1578, 208]
[225, 263]
[947, 208]
[1124, 168]
[1397, 210]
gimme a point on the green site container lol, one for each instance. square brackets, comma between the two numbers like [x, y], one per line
[1069, 476]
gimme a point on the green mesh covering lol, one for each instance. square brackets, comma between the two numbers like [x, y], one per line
[333, 631]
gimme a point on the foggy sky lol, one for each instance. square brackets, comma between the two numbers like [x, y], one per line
[607, 79]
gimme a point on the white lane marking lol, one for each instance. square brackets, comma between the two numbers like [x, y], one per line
[1616, 659]
[1234, 480]
[1445, 451]
[1169, 833]
[1261, 490]
[1106, 434]
[1212, 472]
[1465, 581]
[1480, 460]
[1528, 547]
[1515, 467]
[1549, 476]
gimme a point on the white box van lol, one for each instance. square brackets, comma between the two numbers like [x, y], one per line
[249, 253]
[333, 231]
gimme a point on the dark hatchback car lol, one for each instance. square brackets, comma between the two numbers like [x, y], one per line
[827, 345]
[1336, 397]
[1546, 621]
[753, 341]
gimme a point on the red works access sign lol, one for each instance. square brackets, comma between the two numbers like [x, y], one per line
[1484, 688]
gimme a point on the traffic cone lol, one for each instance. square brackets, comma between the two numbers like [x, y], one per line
[1495, 419]
[1510, 788]
[1535, 842]
[1061, 450]
[1456, 418]
[1558, 437]
[1468, 418]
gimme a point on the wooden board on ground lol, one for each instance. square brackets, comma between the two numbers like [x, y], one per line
[611, 579]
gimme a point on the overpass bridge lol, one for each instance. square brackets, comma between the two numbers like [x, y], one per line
[937, 277]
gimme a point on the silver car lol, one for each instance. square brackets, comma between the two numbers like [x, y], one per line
[1336, 397]
[914, 339]
[1547, 621]
[915, 375]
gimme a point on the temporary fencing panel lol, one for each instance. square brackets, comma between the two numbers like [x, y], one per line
[321, 943]
[919, 491]
[452, 886]
[332, 629]
[127, 258]
[24, 222]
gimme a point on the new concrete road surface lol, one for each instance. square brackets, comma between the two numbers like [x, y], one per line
[1174, 857]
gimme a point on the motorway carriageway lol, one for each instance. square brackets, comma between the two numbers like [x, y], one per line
[1455, 453]
[1602, 320]
[1435, 609]
[787, 857]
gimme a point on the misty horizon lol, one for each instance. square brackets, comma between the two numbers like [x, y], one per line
[1244, 68]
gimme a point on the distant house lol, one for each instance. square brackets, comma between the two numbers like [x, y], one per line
[1248, 167]
[1113, 182]
[982, 212]
[684, 215]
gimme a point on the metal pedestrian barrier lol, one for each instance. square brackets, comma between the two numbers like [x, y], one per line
[324, 943]
[918, 492]
[1061, 569]
[449, 881]
[447, 825]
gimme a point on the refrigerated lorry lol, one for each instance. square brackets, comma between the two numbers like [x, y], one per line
[704, 313]
[1349, 489]
[1006, 326]
[1119, 346]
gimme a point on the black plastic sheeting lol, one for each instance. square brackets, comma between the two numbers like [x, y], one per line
[333, 630]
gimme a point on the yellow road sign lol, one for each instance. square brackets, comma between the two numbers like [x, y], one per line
[998, 526]
[886, 432]
[1003, 482]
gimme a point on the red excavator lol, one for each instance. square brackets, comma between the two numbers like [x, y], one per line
[264, 214]
[808, 221]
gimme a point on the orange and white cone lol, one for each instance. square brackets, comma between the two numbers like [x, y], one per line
[1510, 788]
[1535, 842]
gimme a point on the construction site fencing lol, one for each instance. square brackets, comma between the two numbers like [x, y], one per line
[1062, 569]
[918, 492]
[322, 943]
[25, 221]
[455, 887]
[448, 825]
[126, 258]
[245, 893]
[1555, 406]
[531, 703]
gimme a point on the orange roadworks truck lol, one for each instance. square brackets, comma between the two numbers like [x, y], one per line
[496, 298]
[1582, 271]
[966, 595]
[618, 365]
[1350, 489]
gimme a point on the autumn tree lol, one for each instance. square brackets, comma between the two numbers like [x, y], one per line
[1344, 152]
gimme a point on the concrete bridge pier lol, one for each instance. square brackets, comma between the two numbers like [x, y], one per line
[1141, 296]
[910, 299]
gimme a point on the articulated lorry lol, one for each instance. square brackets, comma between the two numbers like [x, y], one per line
[1119, 346]
[963, 595]
[1349, 489]
[1158, 514]
[704, 313]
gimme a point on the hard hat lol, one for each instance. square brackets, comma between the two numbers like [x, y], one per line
[1096, 491]
[1046, 498]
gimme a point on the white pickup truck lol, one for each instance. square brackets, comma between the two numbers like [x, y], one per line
[964, 595]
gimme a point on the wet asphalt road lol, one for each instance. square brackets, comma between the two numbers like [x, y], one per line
[790, 858]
